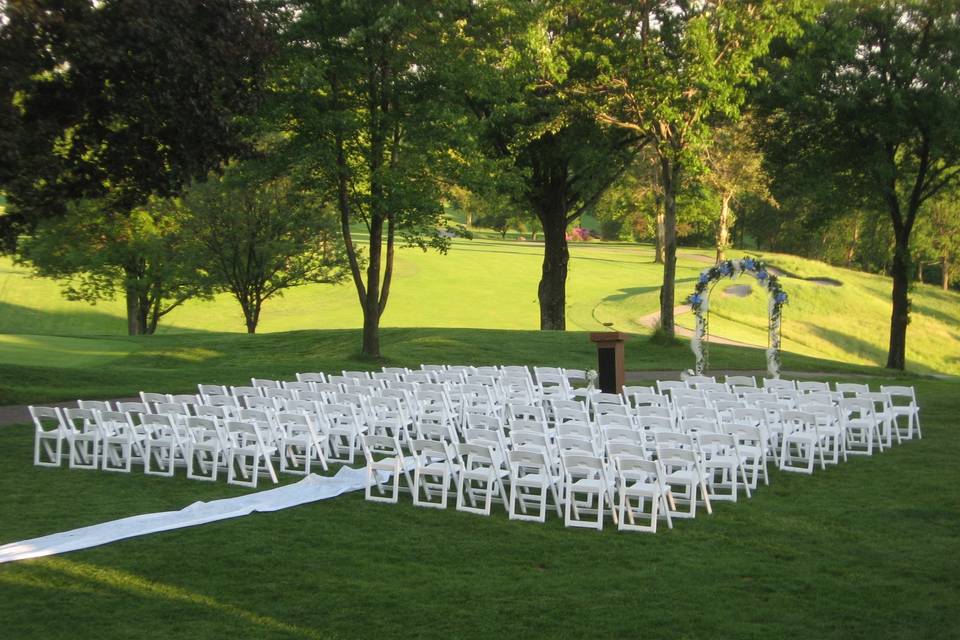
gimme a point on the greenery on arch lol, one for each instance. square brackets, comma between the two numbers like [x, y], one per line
[699, 301]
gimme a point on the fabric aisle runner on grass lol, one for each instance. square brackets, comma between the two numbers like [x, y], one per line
[311, 489]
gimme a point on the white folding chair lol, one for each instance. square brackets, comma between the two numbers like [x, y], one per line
[83, 437]
[249, 454]
[721, 463]
[384, 455]
[163, 444]
[121, 441]
[586, 489]
[684, 477]
[481, 474]
[207, 449]
[903, 404]
[48, 436]
[434, 472]
[801, 442]
[532, 483]
[641, 480]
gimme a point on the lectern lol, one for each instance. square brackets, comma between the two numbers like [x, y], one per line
[609, 360]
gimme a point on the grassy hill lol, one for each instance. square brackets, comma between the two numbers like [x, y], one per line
[492, 284]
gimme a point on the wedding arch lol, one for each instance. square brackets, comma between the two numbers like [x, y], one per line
[699, 301]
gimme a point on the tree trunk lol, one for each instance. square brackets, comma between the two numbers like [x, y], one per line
[945, 267]
[134, 328]
[900, 318]
[552, 292]
[669, 177]
[659, 233]
[852, 248]
[723, 227]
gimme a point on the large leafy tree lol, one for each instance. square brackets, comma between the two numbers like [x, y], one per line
[673, 67]
[871, 102]
[120, 100]
[144, 255]
[258, 234]
[539, 134]
[360, 94]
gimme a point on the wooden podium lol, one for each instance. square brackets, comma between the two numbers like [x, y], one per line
[609, 360]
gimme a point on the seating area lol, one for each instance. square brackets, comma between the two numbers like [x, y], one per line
[532, 441]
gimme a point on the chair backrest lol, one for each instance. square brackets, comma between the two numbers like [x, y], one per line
[212, 390]
[673, 440]
[575, 444]
[222, 401]
[380, 446]
[94, 405]
[740, 381]
[524, 412]
[698, 425]
[264, 383]
[614, 419]
[297, 386]
[239, 392]
[656, 423]
[133, 407]
[263, 404]
[779, 383]
[209, 411]
[312, 376]
[581, 464]
[188, 399]
[692, 381]
[357, 375]
[114, 422]
[625, 450]
[395, 370]
[850, 389]
[286, 394]
[477, 421]
[46, 419]
[437, 432]
[151, 399]
[899, 391]
[801, 420]
[172, 408]
[636, 469]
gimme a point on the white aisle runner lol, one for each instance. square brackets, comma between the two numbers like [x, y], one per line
[310, 489]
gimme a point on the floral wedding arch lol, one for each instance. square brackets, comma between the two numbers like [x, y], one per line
[699, 301]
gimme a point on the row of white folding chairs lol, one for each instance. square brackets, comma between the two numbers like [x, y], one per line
[524, 479]
[115, 441]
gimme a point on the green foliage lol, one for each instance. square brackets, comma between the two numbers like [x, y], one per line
[259, 235]
[118, 100]
[144, 256]
[870, 101]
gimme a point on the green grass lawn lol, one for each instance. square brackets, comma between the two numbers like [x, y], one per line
[864, 550]
[492, 284]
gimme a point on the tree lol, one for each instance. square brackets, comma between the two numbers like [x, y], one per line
[120, 100]
[360, 92]
[871, 101]
[938, 234]
[537, 130]
[260, 235]
[673, 67]
[734, 167]
[98, 255]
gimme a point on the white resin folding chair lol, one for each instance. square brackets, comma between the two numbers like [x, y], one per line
[163, 444]
[207, 448]
[299, 443]
[83, 437]
[831, 430]
[801, 442]
[586, 490]
[884, 411]
[48, 436]
[903, 404]
[640, 482]
[345, 427]
[861, 426]
[552, 383]
[249, 454]
[532, 483]
[722, 465]
[752, 446]
[851, 389]
[481, 477]
[122, 443]
[383, 454]
[779, 383]
[684, 477]
[435, 472]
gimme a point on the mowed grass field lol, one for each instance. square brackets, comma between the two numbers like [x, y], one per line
[866, 549]
[492, 284]
[863, 550]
